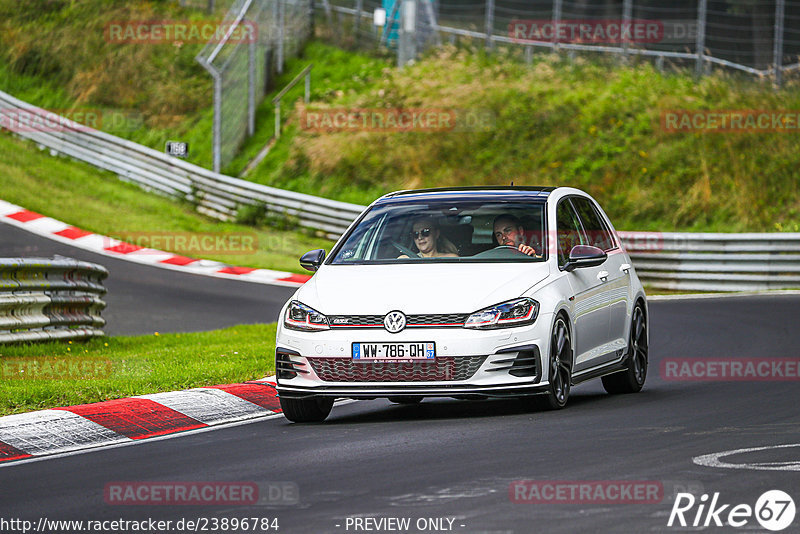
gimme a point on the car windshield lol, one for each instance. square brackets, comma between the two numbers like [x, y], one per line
[437, 230]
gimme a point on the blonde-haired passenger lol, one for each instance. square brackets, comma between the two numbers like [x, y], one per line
[428, 241]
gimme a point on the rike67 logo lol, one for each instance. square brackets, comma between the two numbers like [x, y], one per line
[774, 510]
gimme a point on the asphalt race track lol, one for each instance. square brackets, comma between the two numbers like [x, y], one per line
[450, 459]
[143, 299]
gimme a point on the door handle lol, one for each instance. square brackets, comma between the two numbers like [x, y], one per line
[602, 276]
[625, 268]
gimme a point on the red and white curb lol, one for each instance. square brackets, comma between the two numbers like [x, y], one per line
[74, 428]
[65, 233]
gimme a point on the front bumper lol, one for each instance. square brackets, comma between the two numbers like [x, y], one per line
[469, 363]
[374, 392]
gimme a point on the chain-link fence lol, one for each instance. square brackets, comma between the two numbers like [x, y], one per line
[761, 37]
[255, 39]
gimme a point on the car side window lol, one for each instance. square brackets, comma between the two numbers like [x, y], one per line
[596, 231]
[568, 230]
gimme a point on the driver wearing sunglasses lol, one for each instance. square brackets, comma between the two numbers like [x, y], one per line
[428, 242]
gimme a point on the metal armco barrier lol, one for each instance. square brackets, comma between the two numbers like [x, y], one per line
[214, 194]
[49, 299]
[715, 262]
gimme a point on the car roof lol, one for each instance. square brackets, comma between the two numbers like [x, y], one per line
[509, 193]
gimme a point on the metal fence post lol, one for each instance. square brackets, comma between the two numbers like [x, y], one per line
[311, 27]
[556, 21]
[305, 73]
[281, 33]
[489, 24]
[700, 44]
[407, 34]
[251, 87]
[433, 21]
[357, 21]
[278, 119]
[217, 141]
[328, 15]
[627, 9]
[275, 33]
[777, 52]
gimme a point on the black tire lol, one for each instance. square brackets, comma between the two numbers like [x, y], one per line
[560, 368]
[313, 410]
[405, 400]
[632, 379]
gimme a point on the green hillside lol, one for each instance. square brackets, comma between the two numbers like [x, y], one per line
[60, 57]
[580, 123]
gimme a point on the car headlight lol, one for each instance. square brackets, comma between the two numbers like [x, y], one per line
[515, 312]
[301, 317]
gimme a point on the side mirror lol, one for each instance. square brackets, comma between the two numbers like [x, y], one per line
[584, 256]
[312, 260]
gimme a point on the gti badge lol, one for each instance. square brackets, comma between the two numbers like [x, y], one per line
[394, 321]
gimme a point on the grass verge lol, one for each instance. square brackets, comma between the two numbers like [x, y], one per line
[48, 375]
[97, 201]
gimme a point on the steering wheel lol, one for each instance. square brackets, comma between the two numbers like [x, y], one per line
[515, 249]
[405, 250]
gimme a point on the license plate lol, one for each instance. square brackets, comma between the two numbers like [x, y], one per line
[425, 350]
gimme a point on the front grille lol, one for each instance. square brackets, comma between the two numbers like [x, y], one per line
[441, 369]
[418, 320]
[438, 319]
[355, 320]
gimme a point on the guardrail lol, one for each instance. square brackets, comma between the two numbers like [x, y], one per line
[48, 299]
[715, 262]
[214, 194]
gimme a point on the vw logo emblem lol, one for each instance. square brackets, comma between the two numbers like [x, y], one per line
[394, 321]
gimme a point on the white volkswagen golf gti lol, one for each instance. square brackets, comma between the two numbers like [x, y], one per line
[465, 293]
